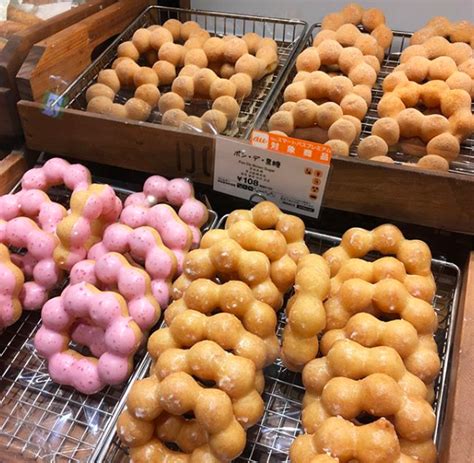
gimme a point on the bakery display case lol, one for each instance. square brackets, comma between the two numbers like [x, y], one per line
[147, 316]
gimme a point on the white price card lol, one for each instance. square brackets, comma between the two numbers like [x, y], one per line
[288, 171]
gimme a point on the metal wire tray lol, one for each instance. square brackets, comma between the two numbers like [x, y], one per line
[464, 164]
[269, 440]
[287, 32]
[39, 419]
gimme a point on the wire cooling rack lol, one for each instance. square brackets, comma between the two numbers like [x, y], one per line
[269, 440]
[288, 34]
[40, 420]
[463, 164]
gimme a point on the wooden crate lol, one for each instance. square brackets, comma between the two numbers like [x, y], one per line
[407, 194]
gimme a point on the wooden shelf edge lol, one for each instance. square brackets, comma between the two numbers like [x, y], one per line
[12, 168]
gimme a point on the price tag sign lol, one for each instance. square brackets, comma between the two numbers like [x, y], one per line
[288, 171]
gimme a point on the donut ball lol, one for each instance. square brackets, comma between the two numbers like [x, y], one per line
[188, 28]
[371, 147]
[411, 51]
[328, 113]
[354, 105]
[363, 74]
[322, 35]
[287, 106]
[417, 68]
[141, 40]
[234, 49]
[160, 36]
[436, 46]
[410, 121]
[462, 31]
[460, 80]
[364, 91]
[169, 101]
[153, 27]
[165, 71]
[252, 40]
[308, 60]
[270, 57]
[455, 100]
[432, 126]
[347, 35]
[338, 147]
[151, 57]
[172, 53]
[339, 87]
[109, 78]
[422, 35]
[99, 90]
[183, 86]
[214, 49]
[228, 105]
[227, 70]
[409, 93]
[372, 18]
[305, 113]
[373, 62]
[316, 85]
[461, 124]
[193, 122]
[352, 13]
[193, 42]
[433, 162]
[137, 109]
[203, 80]
[355, 122]
[459, 52]
[441, 68]
[100, 105]
[214, 121]
[332, 21]
[148, 93]
[348, 58]
[145, 75]
[439, 24]
[118, 110]
[432, 91]
[249, 64]
[128, 50]
[282, 121]
[201, 34]
[243, 85]
[189, 70]
[222, 87]
[197, 57]
[329, 52]
[126, 71]
[390, 105]
[445, 145]
[387, 128]
[385, 159]
[384, 35]
[468, 67]
[174, 26]
[295, 92]
[267, 42]
[301, 75]
[174, 117]
[343, 130]
[367, 44]
[120, 60]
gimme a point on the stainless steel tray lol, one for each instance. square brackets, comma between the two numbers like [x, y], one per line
[287, 32]
[269, 440]
[464, 164]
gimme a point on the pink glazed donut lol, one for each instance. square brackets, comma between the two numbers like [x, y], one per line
[92, 210]
[55, 172]
[11, 284]
[105, 309]
[175, 234]
[38, 263]
[145, 247]
[112, 271]
[177, 192]
[34, 204]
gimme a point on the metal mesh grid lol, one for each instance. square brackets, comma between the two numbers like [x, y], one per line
[287, 33]
[40, 419]
[269, 441]
[465, 161]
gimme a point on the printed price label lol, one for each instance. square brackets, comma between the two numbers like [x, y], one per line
[288, 171]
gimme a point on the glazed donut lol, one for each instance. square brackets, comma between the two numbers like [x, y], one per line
[145, 247]
[305, 312]
[122, 338]
[37, 264]
[11, 284]
[91, 211]
[178, 193]
[233, 297]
